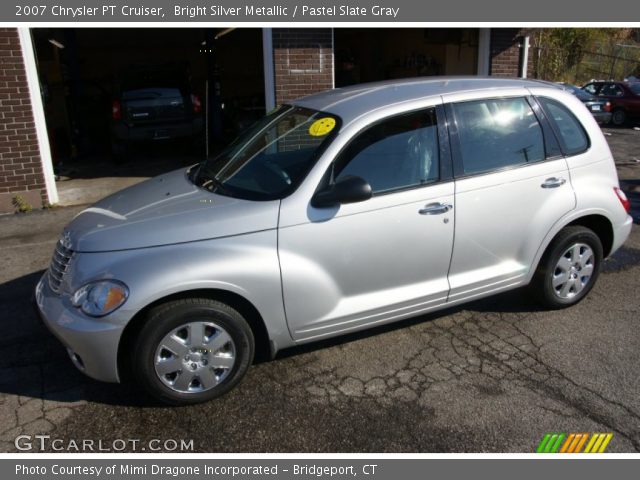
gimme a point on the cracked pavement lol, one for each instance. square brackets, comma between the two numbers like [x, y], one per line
[490, 376]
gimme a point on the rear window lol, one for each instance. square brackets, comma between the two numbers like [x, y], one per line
[581, 94]
[635, 88]
[573, 137]
[592, 88]
[160, 83]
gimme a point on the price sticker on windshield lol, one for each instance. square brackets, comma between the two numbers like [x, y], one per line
[322, 126]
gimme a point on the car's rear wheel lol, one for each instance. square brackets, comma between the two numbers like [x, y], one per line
[191, 351]
[619, 117]
[569, 268]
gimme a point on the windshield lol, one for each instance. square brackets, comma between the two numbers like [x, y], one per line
[635, 88]
[270, 159]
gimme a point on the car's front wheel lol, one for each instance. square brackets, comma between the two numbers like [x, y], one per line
[192, 350]
[569, 268]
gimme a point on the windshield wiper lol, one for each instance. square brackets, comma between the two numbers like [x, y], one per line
[212, 184]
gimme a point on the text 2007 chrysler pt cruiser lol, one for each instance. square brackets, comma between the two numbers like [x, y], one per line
[343, 210]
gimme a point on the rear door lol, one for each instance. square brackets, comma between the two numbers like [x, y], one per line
[512, 185]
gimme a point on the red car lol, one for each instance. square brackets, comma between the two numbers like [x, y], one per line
[624, 98]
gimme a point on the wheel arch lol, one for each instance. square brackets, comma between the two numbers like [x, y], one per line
[599, 223]
[620, 108]
[601, 226]
[264, 348]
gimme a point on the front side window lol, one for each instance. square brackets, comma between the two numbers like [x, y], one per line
[271, 158]
[572, 135]
[498, 133]
[398, 153]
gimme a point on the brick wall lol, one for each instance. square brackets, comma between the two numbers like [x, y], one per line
[20, 165]
[505, 52]
[303, 62]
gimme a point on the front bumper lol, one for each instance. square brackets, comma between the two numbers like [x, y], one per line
[92, 343]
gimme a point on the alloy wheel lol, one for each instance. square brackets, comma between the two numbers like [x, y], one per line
[195, 357]
[573, 271]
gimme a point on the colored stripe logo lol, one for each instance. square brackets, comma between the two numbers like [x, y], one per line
[574, 443]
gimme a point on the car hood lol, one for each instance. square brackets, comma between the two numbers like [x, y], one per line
[165, 210]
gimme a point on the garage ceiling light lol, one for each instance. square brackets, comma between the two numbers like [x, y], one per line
[224, 32]
[56, 43]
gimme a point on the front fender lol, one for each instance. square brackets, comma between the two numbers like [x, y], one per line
[246, 265]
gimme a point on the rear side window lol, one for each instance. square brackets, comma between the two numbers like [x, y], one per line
[573, 137]
[498, 133]
[611, 90]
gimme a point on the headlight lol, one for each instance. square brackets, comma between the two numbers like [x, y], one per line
[100, 298]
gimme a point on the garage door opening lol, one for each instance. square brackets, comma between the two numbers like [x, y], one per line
[368, 55]
[122, 105]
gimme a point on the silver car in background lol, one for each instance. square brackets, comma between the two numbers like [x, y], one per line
[344, 210]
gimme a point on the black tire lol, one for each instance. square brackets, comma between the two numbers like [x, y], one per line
[619, 117]
[542, 285]
[167, 317]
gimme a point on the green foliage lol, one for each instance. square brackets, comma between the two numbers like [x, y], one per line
[21, 204]
[576, 55]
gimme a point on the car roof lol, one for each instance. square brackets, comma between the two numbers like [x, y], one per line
[352, 102]
[602, 82]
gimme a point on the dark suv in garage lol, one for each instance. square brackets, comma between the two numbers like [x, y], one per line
[624, 98]
[153, 104]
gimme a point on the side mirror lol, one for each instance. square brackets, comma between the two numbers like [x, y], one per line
[349, 189]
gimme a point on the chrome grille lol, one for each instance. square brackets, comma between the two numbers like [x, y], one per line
[58, 267]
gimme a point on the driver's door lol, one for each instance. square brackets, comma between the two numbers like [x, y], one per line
[382, 259]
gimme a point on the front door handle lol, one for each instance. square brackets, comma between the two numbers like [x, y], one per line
[553, 182]
[435, 209]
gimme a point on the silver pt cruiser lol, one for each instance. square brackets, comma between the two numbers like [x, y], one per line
[346, 209]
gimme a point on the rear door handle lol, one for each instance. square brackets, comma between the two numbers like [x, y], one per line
[435, 209]
[553, 182]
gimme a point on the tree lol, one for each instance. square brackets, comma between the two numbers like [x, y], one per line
[579, 54]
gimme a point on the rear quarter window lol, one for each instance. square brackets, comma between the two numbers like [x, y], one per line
[572, 135]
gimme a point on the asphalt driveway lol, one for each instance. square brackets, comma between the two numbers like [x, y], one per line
[492, 376]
